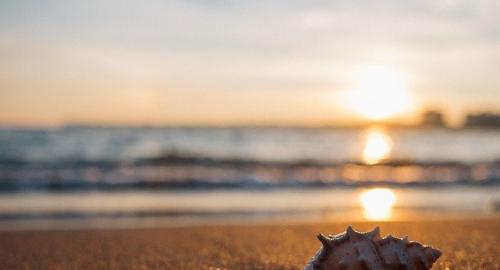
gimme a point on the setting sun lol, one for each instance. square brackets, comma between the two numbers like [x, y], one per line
[379, 93]
[377, 203]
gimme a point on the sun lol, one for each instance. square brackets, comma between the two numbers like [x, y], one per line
[380, 92]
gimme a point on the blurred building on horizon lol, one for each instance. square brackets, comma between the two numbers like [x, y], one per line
[482, 120]
[433, 118]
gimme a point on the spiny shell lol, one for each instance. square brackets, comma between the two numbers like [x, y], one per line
[368, 251]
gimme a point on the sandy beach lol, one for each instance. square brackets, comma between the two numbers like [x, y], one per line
[466, 244]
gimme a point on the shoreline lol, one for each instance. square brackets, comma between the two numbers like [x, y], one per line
[234, 221]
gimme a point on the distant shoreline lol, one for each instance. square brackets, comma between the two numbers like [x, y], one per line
[299, 127]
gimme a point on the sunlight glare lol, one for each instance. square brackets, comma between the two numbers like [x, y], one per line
[377, 203]
[377, 146]
[380, 92]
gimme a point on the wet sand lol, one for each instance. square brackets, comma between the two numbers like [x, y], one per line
[466, 244]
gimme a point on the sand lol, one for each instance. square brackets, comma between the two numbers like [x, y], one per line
[466, 244]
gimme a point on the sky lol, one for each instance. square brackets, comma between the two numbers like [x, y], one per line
[194, 62]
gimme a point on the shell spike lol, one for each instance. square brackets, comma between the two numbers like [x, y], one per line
[436, 252]
[405, 240]
[350, 231]
[374, 234]
[432, 254]
[324, 240]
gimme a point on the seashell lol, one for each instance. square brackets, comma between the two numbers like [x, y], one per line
[354, 250]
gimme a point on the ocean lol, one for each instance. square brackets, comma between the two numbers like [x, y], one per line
[95, 176]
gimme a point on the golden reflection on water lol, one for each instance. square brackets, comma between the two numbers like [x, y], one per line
[377, 146]
[377, 203]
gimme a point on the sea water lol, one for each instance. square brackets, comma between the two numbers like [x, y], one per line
[88, 176]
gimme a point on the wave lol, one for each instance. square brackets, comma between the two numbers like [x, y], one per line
[179, 171]
[151, 213]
